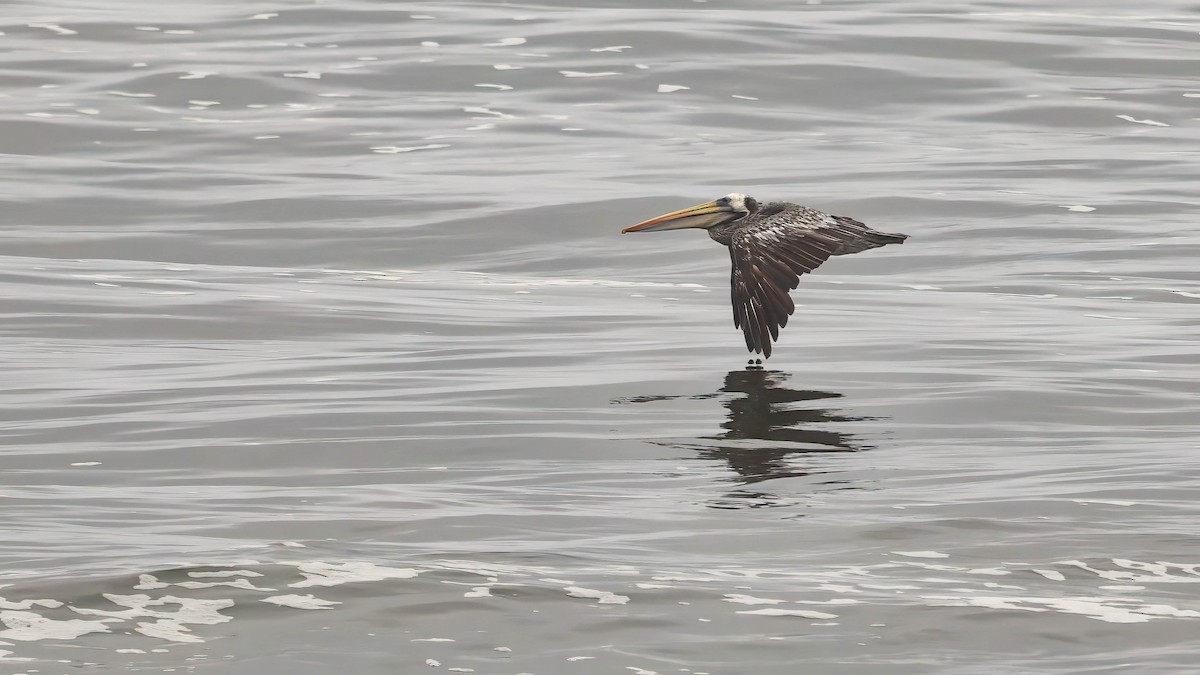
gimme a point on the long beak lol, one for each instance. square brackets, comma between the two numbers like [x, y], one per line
[703, 215]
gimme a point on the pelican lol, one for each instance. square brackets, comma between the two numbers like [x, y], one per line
[771, 245]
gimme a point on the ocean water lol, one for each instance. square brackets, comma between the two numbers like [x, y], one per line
[322, 351]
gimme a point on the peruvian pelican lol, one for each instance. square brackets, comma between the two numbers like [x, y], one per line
[771, 245]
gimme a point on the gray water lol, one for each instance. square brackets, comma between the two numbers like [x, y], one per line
[322, 352]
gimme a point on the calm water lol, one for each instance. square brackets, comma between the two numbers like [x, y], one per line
[322, 353]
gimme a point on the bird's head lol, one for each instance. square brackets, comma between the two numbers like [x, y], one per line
[731, 207]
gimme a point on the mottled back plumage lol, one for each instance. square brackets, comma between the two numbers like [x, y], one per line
[771, 248]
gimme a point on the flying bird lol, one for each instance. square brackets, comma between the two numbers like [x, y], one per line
[771, 245]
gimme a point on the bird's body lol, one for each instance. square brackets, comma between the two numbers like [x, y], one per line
[771, 245]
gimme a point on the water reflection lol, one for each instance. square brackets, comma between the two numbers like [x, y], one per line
[769, 411]
[768, 429]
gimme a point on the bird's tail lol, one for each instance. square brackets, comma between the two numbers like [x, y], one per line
[859, 237]
[885, 238]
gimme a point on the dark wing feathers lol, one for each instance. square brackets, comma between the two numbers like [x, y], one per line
[770, 254]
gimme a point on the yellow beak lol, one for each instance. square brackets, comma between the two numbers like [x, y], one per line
[704, 216]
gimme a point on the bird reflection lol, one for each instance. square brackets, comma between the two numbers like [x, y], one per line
[769, 411]
[768, 426]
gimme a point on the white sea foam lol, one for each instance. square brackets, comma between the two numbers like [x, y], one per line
[921, 554]
[582, 73]
[301, 601]
[1147, 122]
[603, 597]
[333, 574]
[750, 599]
[780, 611]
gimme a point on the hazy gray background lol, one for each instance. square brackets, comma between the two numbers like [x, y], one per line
[321, 351]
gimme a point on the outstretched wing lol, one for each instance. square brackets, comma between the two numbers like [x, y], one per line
[768, 259]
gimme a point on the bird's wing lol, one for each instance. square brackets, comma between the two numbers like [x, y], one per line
[768, 260]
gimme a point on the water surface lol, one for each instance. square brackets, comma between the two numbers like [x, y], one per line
[322, 351]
